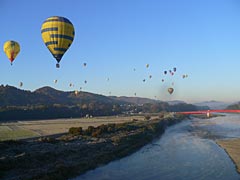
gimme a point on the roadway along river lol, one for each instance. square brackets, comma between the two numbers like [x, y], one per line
[185, 151]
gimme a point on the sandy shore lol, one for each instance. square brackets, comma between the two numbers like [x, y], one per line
[232, 147]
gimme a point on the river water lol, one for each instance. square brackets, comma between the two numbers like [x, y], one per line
[185, 151]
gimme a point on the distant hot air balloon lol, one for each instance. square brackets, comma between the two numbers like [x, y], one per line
[165, 72]
[85, 81]
[84, 64]
[76, 92]
[70, 85]
[144, 80]
[174, 69]
[55, 81]
[150, 76]
[162, 80]
[184, 76]
[57, 34]
[11, 49]
[20, 84]
[170, 90]
[147, 65]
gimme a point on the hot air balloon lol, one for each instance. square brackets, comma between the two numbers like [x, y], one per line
[174, 69]
[11, 49]
[165, 72]
[85, 81]
[55, 81]
[147, 65]
[57, 34]
[84, 64]
[150, 76]
[144, 80]
[170, 90]
[20, 84]
[76, 92]
[162, 80]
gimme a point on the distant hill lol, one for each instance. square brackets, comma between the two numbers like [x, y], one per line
[134, 100]
[49, 103]
[234, 106]
[213, 104]
[12, 96]
[175, 102]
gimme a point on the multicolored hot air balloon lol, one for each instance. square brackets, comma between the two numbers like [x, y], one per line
[57, 34]
[11, 49]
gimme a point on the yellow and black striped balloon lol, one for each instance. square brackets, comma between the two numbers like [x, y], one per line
[57, 34]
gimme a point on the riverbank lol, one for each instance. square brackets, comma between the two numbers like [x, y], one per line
[36, 128]
[78, 151]
[232, 148]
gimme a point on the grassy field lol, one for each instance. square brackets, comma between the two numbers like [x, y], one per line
[7, 133]
[27, 129]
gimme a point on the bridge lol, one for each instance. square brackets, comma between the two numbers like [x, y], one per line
[208, 112]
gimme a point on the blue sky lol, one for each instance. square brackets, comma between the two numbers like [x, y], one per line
[200, 38]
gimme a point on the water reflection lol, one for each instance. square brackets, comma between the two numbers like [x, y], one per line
[185, 151]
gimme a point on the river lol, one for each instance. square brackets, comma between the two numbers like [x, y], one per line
[185, 151]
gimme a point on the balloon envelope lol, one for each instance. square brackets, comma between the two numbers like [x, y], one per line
[57, 34]
[11, 49]
[21, 84]
[170, 90]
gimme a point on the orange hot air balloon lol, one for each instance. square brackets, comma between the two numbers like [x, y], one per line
[11, 49]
